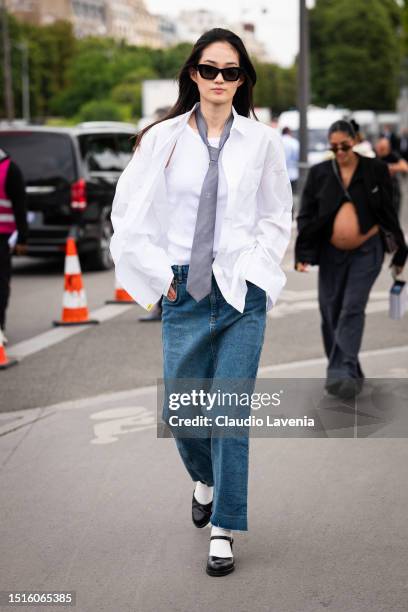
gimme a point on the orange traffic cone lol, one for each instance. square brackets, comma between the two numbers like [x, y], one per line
[74, 306]
[121, 296]
[5, 362]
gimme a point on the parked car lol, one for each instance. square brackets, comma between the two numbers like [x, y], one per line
[71, 175]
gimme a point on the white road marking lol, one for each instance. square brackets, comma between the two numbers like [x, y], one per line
[54, 336]
[283, 309]
[119, 421]
[289, 295]
[290, 302]
[21, 418]
[293, 302]
[131, 415]
[293, 365]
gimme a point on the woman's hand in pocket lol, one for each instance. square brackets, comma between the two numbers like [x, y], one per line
[171, 294]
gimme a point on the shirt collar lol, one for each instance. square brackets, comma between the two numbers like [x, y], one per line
[238, 124]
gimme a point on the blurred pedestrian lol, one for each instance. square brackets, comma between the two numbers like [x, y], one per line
[404, 144]
[396, 166]
[13, 226]
[346, 220]
[292, 149]
[388, 133]
[208, 231]
[362, 146]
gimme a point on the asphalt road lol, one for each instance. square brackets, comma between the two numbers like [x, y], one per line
[124, 353]
[94, 502]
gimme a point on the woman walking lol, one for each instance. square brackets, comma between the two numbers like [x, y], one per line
[202, 216]
[346, 222]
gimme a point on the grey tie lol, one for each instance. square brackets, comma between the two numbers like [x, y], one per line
[200, 268]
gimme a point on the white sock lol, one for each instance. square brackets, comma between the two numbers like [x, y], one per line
[220, 548]
[203, 494]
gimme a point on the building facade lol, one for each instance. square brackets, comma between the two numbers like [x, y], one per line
[122, 19]
[88, 17]
[246, 31]
[191, 24]
[130, 20]
[40, 12]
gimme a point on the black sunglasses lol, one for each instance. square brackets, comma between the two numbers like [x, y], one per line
[211, 72]
[340, 147]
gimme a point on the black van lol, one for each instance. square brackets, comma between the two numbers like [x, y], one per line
[71, 175]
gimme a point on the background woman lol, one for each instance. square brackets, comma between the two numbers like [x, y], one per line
[202, 215]
[346, 212]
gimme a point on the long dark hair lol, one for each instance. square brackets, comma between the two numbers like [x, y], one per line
[188, 90]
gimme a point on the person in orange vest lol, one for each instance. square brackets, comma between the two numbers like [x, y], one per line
[13, 218]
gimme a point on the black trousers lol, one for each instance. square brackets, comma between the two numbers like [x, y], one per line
[5, 276]
[345, 282]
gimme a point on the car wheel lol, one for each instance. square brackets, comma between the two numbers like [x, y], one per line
[101, 258]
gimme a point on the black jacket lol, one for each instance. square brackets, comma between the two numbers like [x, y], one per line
[322, 196]
[16, 192]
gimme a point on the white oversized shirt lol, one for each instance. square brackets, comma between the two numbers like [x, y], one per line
[185, 176]
[256, 224]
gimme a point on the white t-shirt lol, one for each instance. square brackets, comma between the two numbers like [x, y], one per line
[184, 179]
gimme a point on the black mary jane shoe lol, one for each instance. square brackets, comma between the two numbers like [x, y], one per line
[200, 513]
[220, 566]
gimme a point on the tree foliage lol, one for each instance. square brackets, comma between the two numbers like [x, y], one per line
[50, 49]
[404, 43]
[359, 57]
[275, 87]
[70, 77]
[355, 53]
[101, 110]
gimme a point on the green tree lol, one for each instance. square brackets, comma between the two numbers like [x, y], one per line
[70, 78]
[355, 53]
[101, 110]
[50, 49]
[404, 42]
[167, 62]
[98, 66]
[275, 87]
[129, 94]
[90, 76]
